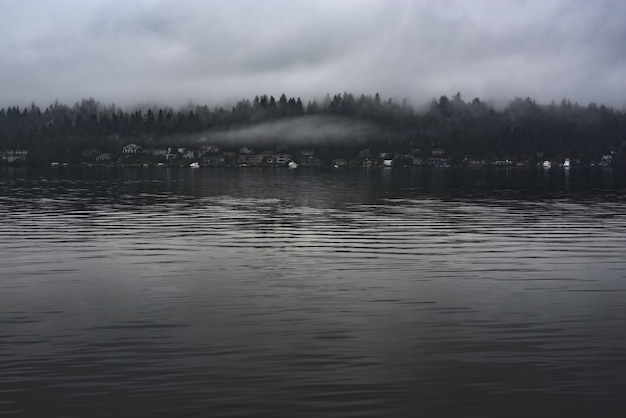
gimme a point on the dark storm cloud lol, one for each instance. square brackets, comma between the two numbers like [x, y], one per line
[218, 52]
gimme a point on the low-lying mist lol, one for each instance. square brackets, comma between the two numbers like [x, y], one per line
[304, 130]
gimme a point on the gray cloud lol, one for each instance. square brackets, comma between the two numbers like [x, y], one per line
[216, 52]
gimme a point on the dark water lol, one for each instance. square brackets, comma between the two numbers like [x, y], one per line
[236, 293]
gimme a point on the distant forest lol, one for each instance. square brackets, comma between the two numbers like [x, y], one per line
[523, 130]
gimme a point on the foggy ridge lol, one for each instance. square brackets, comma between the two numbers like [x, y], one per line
[523, 130]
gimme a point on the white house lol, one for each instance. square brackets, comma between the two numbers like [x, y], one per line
[131, 149]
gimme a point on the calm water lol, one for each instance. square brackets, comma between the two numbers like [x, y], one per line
[308, 293]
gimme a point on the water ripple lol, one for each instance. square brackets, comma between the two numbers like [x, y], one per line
[298, 295]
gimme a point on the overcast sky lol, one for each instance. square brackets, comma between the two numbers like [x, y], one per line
[172, 52]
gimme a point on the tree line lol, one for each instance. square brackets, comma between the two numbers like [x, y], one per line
[523, 129]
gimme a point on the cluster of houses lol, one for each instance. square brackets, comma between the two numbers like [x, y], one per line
[209, 155]
[16, 156]
[212, 156]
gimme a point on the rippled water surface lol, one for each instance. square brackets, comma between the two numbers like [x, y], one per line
[228, 293]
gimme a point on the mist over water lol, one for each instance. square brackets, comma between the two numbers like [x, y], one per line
[276, 292]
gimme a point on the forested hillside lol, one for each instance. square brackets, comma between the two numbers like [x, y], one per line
[523, 129]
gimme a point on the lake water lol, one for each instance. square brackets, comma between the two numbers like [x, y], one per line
[308, 293]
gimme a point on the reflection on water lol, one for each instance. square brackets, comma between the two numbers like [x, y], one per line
[312, 293]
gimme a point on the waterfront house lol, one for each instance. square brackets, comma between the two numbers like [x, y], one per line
[250, 160]
[280, 159]
[159, 152]
[418, 161]
[14, 156]
[438, 152]
[502, 163]
[471, 161]
[89, 153]
[437, 162]
[210, 149]
[131, 149]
